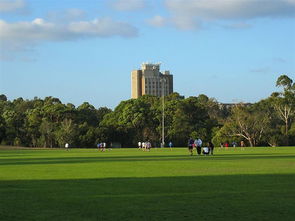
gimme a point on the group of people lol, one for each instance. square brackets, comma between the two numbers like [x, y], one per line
[233, 144]
[144, 146]
[197, 144]
[102, 146]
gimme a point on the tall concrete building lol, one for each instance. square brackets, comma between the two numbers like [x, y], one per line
[149, 80]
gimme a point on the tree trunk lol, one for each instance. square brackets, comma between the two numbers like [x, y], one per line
[286, 132]
[250, 142]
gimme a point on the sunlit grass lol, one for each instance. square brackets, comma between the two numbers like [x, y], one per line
[129, 184]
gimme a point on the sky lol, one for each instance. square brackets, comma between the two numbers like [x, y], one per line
[84, 50]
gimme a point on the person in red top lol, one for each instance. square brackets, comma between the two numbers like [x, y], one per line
[226, 145]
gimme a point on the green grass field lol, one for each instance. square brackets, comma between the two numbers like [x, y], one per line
[127, 184]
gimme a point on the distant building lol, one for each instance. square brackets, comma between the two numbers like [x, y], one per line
[231, 105]
[149, 80]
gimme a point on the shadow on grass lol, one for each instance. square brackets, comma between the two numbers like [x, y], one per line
[106, 158]
[237, 197]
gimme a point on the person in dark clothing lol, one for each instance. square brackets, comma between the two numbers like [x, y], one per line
[211, 147]
[190, 146]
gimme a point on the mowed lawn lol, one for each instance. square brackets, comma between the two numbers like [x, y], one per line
[127, 184]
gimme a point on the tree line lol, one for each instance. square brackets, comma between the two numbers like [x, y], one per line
[50, 123]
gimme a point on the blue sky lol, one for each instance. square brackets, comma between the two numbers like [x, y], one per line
[84, 50]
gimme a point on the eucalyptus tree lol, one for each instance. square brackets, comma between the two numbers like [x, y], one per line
[284, 102]
[272, 133]
[246, 123]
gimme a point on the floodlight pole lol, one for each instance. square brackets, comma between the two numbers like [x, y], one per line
[163, 81]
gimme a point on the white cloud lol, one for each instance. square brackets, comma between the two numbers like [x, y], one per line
[105, 27]
[11, 5]
[128, 5]
[157, 21]
[21, 36]
[187, 13]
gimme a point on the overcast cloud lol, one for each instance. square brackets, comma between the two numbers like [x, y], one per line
[11, 5]
[187, 14]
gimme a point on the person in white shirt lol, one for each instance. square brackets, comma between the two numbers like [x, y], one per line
[205, 150]
[148, 146]
[139, 145]
[67, 146]
[199, 146]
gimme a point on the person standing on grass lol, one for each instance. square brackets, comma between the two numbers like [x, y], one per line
[101, 147]
[148, 146]
[195, 144]
[170, 145]
[211, 147]
[226, 145]
[190, 146]
[139, 145]
[67, 146]
[199, 146]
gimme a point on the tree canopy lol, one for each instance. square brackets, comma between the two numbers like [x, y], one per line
[50, 123]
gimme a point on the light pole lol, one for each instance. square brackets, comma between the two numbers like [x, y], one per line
[163, 81]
